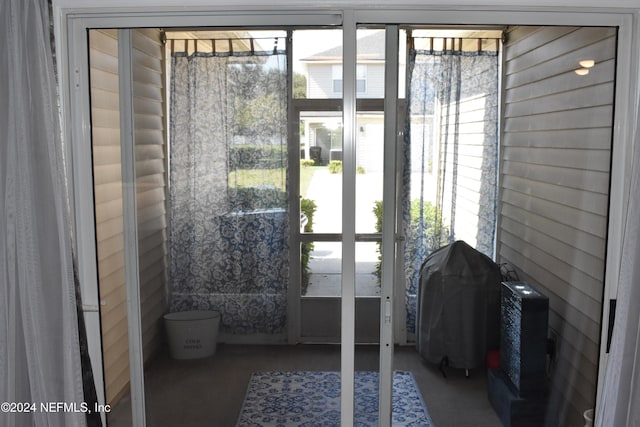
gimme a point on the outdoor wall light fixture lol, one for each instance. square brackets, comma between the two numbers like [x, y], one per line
[585, 64]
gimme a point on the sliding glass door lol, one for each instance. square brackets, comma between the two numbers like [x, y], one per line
[223, 241]
[75, 83]
[285, 206]
[339, 143]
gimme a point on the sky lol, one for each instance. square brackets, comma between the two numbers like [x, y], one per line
[309, 42]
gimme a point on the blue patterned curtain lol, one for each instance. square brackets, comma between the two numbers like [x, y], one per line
[450, 151]
[228, 208]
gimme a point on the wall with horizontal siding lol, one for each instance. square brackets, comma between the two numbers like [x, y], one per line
[375, 81]
[151, 178]
[105, 127]
[555, 190]
[149, 133]
[468, 154]
[320, 81]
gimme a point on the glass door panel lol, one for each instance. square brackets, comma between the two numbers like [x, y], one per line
[320, 171]
[323, 269]
[320, 194]
[369, 171]
[367, 271]
[369, 159]
[109, 217]
[316, 131]
[322, 180]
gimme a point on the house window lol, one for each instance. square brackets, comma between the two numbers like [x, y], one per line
[361, 78]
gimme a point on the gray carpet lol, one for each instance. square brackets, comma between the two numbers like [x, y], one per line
[210, 392]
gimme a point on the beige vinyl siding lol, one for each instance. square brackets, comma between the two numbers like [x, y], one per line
[105, 122]
[320, 81]
[149, 134]
[555, 189]
[370, 144]
[148, 108]
[375, 81]
[476, 148]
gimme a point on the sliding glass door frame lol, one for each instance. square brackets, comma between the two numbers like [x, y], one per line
[348, 270]
[390, 235]
[71, 25]
[78, 57]
[349, 237]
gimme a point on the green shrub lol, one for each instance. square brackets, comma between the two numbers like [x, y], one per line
[307, 207]
[335, 166]
[377, 211]
[434, 234]
[305, 163]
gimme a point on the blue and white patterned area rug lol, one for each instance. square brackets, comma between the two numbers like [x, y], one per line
[312, 399]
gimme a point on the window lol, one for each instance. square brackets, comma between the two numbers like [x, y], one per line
[361, 78]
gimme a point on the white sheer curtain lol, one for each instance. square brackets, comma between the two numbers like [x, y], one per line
[39, 352]
[621, 391]
[453, 122]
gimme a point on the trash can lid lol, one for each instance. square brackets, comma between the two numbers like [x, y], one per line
[192, 315]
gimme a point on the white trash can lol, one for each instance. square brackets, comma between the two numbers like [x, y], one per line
[192, 334]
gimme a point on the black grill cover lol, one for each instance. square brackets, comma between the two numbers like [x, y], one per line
[458, 313]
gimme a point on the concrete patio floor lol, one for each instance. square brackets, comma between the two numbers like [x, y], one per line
[326, 258]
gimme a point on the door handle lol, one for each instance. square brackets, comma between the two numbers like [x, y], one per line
[387, 312]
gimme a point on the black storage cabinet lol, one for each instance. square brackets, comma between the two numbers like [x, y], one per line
[458, 313]
[518, 390]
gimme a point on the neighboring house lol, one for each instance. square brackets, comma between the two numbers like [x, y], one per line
[324, 81]
[324, 70]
